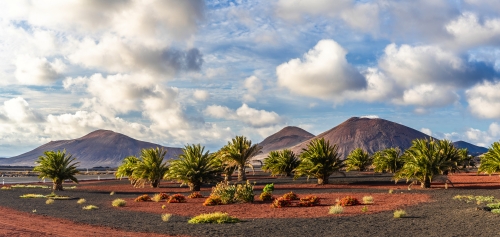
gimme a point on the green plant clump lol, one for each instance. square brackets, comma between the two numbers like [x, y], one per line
[494, 205]
[399, 213]
[81, 201]
[216, 217]
[90, 207]
[367, 200]
[269, 188]
[335, 210]
[266, 196]
[118, 203]
[166, 217]
[364, 209]
[6, 188]
[49, 201]
[29, 186]
[495, 211]
[244, 192]
[31, 195]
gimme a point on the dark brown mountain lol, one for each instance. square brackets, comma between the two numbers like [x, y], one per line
[285, 138]
[473, 149]
[98, 148]
[369, 134]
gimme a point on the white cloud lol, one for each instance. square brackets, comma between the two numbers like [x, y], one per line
[370, 116]
[426, 131]
[201, 95]
[37, 71]
[295, 9]
[18, 110]
[468, 31]
[363, 16]
[484, 100]
[245, 114]
[253, 85]
[428, 95]
[322, 73]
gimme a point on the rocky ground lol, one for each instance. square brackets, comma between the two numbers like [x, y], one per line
[431, 212]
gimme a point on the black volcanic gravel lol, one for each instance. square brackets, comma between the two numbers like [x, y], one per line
[441, 217]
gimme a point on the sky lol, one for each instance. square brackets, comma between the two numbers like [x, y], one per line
[177, 72]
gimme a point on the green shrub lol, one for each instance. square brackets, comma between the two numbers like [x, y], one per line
[399, 213]
[269, 188]
[494, 205]
[337, 209]
[81, 201]
[166, 217]
[244, 192]
[118, 203]
[281, 202]
[495, 211]
[367, 200]
[212, 201]
[177, 198]
[143, 198]
[216, 217]
[348, 201]
[90, 207]
[6, 188]
[266, 196]
[225, 192]
[49, 201]
[31, 195]
[309, 201]
[364, 209]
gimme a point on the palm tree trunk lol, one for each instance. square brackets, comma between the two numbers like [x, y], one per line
[323, 179]
[194, 187]
[241, 173]
[155, 183]
[426, 183]
[57, 186]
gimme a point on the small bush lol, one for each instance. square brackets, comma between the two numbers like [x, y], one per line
[29, 186]
[290, 196]
[119, 203]
[159, 197]
[364, 209]
[166, 217]
[195, 195]
[81, 201]
[348, 201]
[212, 201]
[163, 206]
[225, 191]
[399, 213]
[266, 196]
[31, 195]
[337, 209]
[216, 217]
[309, 201]
[177, 198]
[391, 191]
[90, 207]
[6, 188]
[49, 201]
[367, 200]
[244, 192]
[269, 188]
[281, 202]
[495, 211]
[143, 198]
[112, 193]
[494, 205]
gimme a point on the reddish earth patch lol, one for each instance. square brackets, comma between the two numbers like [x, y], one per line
[473, 180]
[15, 223]
[259, 209]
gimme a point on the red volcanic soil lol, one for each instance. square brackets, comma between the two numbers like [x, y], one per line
[474, 181]
[14, 223]
[259, 209]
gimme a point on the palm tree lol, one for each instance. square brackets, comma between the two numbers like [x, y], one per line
[281, 162]
[151, 167]
[358, 160]
[388, 160]
[126, 169]
[465, 158]
[194, 167]
[319, 160]
[427, 158]
[57, 166]
[490, 162]
[240, 150]
[226, 165]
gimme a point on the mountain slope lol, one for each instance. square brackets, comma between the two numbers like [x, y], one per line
[370, 134]
[98, 148]
[473, 149]
[285, 138]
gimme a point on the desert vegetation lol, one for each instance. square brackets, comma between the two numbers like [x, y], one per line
[490, 162]
[281, 163]
[240, 150]
[358, 159]
[58, 166]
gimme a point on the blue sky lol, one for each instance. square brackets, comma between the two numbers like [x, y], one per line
[178, 72]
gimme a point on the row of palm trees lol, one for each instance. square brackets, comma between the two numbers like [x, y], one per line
[420, 163]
